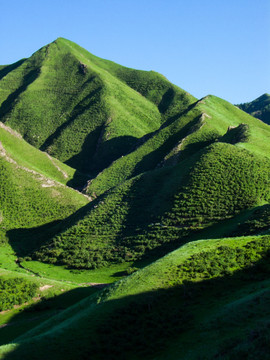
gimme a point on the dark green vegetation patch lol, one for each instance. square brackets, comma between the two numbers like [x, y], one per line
[259, 108]
[16, 292]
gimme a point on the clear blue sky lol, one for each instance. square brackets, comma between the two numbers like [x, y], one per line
[218, 47]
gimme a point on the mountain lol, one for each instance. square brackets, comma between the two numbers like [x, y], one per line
[259, 108]
[144, 145]
[108, 171]
[95, 111]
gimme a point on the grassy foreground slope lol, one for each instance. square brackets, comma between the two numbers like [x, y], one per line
[259, 108]
[214, 291]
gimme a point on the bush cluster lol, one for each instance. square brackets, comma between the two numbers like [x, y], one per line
[223, 260]
[15, 291]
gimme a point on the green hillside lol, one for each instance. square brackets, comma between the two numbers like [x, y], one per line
[92, 117]
[107, 171]
[167, 201]
[160, 165]
[213, 291]
[163, 206]
[205, 122]
[259, 108]
[33, 190]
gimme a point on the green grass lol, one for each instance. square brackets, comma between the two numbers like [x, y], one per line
[161, 308]
[130, 131]
[87, 110]
[103, 276]
[50, 298]
[15, 291]
[257, 222]
[27, 156]
[29, 199]
[33, 190]
[187, 133]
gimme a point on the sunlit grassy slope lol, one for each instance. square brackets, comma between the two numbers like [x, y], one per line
[214, 291]
[33, 190]
[163, 206]
[27, 156]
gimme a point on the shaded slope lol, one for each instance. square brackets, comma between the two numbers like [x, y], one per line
[214, 291]
[259, 108]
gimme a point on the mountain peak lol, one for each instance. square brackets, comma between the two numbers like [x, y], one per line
[264, 97]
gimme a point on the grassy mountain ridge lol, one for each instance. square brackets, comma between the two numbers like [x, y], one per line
[79, 96]
[200, 125]
[176, 133]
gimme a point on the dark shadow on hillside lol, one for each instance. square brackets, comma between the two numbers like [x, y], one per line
[111, 150]
[177, 237]
[168, 122]
[95, 157]
[26, 240]
[236, 134]
[11, 67]
[156, 157]
[145, 325]
[28, 79]
[166, 100]
[41, 311]
[79, 180]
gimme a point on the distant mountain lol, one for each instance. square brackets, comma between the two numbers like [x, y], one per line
[259, 108]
